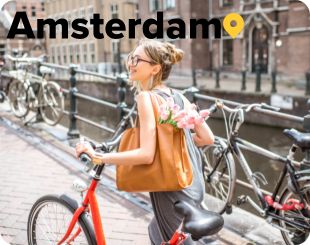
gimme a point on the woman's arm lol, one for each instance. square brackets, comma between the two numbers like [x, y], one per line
[146, 152]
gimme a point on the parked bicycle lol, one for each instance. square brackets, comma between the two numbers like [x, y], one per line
[61, 220]
[289, 210]
[28, 91]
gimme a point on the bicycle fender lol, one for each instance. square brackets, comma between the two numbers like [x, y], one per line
[73, 203]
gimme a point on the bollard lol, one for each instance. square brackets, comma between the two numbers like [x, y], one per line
[307, 83]
[258, 78]
[121, 82]
[194, 77]
[243, 82]
[217, 78]
[73, 131]
[273, 82]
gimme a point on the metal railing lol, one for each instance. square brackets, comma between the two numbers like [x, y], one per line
[258, 80]
[121, 106]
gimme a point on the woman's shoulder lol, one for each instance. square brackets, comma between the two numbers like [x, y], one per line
[143, 97]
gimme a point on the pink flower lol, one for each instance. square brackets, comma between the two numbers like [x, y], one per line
[199, 120]
[191, 119]
[170, 102]
[204, 113]
[164, 115]
[193, 107]
[179, 116]
[181, 124]
[175, 109]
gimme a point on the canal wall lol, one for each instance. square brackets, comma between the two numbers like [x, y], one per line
[294, 105]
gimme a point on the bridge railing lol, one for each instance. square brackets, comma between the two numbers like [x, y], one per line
[121, 106]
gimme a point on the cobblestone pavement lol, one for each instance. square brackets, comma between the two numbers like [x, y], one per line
[27, 173]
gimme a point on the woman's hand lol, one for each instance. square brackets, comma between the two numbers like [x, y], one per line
[86, 148]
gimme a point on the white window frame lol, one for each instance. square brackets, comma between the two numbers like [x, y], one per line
[152, 5]
[114, 10]
[169, 4]
[223, 5]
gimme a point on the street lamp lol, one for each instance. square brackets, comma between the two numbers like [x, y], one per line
[278, 44]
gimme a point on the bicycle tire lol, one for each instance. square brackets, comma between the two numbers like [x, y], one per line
[295, 236]
[18, 98]
[220, 186]
[35, 216]
[51, 103]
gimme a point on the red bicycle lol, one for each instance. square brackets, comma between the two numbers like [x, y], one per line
[61, 220]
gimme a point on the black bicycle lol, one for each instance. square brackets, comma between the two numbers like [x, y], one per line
[289, 210]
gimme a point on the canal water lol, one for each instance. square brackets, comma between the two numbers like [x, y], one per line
[270, 138]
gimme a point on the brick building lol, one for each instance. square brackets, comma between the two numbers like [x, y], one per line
[103, 55]
[35, 9]
[196, 53]
[276, 36]
[274, 31]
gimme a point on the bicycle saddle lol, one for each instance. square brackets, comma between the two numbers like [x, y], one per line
[300, 139]
[198, 222]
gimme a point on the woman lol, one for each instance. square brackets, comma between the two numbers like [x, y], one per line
[149, 65]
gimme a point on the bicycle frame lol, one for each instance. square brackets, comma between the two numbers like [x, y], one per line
[90, 200]
[235, 146]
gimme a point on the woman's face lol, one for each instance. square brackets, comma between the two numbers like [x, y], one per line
[140, 67]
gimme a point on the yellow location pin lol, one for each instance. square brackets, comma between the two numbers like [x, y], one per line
[233, 31]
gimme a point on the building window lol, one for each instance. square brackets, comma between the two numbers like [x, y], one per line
[154, 5]
[114, 11]
[58, 55]
[82, 14]
[90, 12]
[169, 4]
[227, 3]
[85, 53]
[115, 44]
[92, 52]
[64, 51]
[33, 11]
[24, 8]
[42, 6]
[77, 51]
[71, 51]
[228, 52]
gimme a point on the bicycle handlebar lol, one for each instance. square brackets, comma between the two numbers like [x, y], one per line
[30, 60]
[247, 108]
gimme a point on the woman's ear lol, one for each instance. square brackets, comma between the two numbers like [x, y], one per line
[156, 69]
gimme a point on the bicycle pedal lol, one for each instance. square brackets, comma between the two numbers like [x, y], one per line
[241, 200]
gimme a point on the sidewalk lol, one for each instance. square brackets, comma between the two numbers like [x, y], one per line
[27, 173]
[32, 167]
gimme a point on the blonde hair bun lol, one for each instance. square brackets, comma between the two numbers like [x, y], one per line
[176, 55]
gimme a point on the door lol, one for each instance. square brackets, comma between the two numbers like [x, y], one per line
[260, 51]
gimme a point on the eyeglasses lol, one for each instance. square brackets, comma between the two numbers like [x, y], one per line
[134, 60]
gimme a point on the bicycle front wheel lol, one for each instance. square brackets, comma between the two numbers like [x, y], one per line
[219, 175]
[49, 220]
[51, 103]
[18, 98]
[293, 234]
